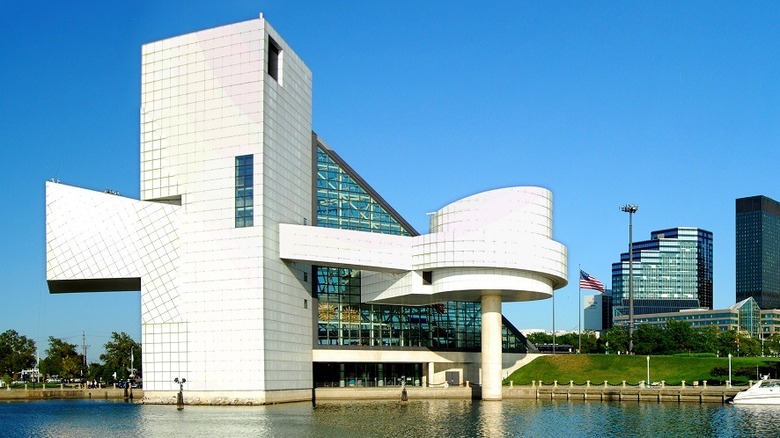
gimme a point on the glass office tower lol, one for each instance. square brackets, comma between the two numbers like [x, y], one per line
[672, 271]
[344, 200]
[758, 250]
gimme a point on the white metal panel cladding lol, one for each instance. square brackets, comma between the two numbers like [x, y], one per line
[500, 240]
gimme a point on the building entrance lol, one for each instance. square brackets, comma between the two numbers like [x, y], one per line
[367, 374]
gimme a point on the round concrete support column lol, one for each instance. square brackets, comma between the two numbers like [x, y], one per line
[491, 346]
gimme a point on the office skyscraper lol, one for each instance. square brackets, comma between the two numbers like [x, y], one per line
[758, 250]
[672, 271]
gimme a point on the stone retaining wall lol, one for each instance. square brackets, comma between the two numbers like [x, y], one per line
[596, 393]
[593, 393]
[664, 394]
[67, 393]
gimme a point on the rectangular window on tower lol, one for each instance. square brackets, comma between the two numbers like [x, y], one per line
[244, 191]
[274, 59]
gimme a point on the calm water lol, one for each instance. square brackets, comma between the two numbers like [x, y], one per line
[430, 418]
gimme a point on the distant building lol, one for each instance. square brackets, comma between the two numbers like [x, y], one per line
[770, 322]
[758, 250]
[598, 311]
[743, 316]
[672, 271]
[31, 375]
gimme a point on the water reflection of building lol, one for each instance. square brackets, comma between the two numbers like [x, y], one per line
[491, 420]
[240, 293]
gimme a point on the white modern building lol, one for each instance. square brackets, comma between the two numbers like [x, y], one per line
[597, 312]
[267, 266]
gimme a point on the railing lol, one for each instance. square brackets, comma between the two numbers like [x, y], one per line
[625, 383]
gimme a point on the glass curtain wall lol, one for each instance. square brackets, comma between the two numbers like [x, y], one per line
[672, 271]
[344, 201]
[749, 317]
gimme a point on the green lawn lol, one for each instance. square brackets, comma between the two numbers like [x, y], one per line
[34, 385]
[672, 369]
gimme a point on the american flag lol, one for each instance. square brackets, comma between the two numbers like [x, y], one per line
[588, 281]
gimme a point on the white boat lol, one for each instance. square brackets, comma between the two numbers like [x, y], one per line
[765, 392]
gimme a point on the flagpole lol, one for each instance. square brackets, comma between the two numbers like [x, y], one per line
[579, 309]
[591, 283]
[553, 300]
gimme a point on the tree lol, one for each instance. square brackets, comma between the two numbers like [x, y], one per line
[116, 358]
[61, 359]
[650, 339]
[680, 337]
[707, 339]
[727, 343]
[569, 339]
[540, 338]
[17, 352]
[97, 372]
[772, 345]
[616, 340]
[748, 346]
[722, 373]
[590, 343]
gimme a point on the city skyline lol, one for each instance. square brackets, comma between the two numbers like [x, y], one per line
[603, 105]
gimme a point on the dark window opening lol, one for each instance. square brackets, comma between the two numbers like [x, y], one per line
[427, 277]
[274, 53]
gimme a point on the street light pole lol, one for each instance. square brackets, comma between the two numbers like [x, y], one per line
[630, 209]
[648, 370]
[761, 333]
[180, 395]
[729, 385]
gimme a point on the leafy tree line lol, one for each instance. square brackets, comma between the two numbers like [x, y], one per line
[17, 352]
[675, 338]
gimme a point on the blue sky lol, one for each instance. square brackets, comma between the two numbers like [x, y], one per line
[669, 105]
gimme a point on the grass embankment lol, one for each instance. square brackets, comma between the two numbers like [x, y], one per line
[616, 368]
[32, 385]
